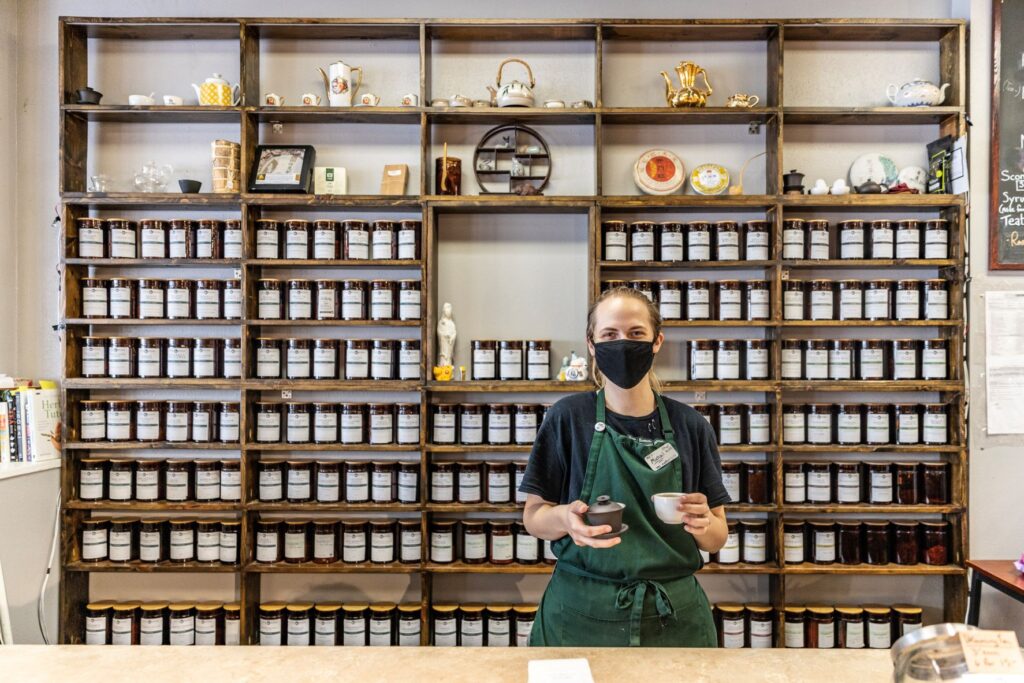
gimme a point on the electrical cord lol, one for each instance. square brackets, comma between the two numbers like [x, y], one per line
[41, 603]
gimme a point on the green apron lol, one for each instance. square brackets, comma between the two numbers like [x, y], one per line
[642, 592]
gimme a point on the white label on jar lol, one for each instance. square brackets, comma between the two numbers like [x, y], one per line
[268, 427]
[879, 635]
[821, 305]
[408, 428]
[325, 427]
[151, 630]
[878, 428]
[176, 426]
[232, 243]
[119, 361]
[382, 241]
[933, 364]
[150, 361]
[469, 487]
[935, 428]
[409, 630]
[121, 630]
[793, 427]
[94, 302]
[881, 243]
[351, 428]
[826, 636]
[296, 245]
[151, 303]
[793, 305]
[792, 364]
[643, 246]
[819, 245]
[300, 304]
[182, 544]
[904, 363]
[702, 364]
[526, 427]
[819, 428]
[757, 363]
[759, 427]
[227, 547]
[730, 429]
[483, 364]
[909, 428]
[357, 486]
[538, 364]
[409, 547]
[498, 633]
[381, 304]
[794, 634]
[408, 364]
[90, 484]
[328, 486]
[670, 303]
[758, 304]
[269, 306]
[444, 428]
[324, 365]
[731, 482]
[729, 304]
[270, 631]
[793, 546]
[881, 487]
[266, 546]
[150, 546]
[122, 243]
[825, 546]
[445, 632]
[908, 304]
[323, 244]
[406, 244]
[754, 546]
[207, 484]
[232, 632]
[699, 245]
[178, 362]
[819, 487]
[854, 639]
[178, 303]
[351, 304]
[526, 547]
[357, 364]
[498, 487]
[298, 364]
[295, 545]
[147, 484]
[615, 246]
[848, 487]
[207, 304]
[326, 302]
[757, 245]
[936, 304]
[728, 245]
[840, 364]
[325, 632]
[472, 633]
[382, 547]
[442, 487]
[441, 546]
[852, 243]
[795, 487]
[358, 244]
[730, 552]
[499, 428]
[793, 243]
[176, 485]
[270, 484]
[353, 546]
[208, 546]
[409, 304]
[936, 244]
[120, 302]
[94, 544]
[511, 362]
[908, 243]
[229, 427]
[671, 246]
[407, 485]
[298, 484]
[118, 426]
[120, 485]
[266, 244]
[851, 304]
[760, 633]
[698, 304]
[733, 632]
[90, 243]
[204, 362]
[206, 632]
[872, 364]
[147, 425]
[848, 427]
[381, 484]
[876, 304]
[728, 364]
[816, 362]
[524, 625]
[380, 632]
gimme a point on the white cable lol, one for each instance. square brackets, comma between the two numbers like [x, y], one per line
[6, 636]
[41, 603]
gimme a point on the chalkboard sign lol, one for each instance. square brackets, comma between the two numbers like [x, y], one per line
[1006, 224]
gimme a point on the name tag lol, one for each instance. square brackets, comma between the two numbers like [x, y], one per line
[660, 457]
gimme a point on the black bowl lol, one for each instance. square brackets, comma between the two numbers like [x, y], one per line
[189, 186]
[89, 96]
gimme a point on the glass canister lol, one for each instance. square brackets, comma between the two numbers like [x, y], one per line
[851, 239]
[851, 627]
[641, 240]
[793, 299]
[793, 238]
[758, 241]
[817, 239]
[698, 300]
[732, 625]
[794, 623]
[906, 542]
[615, 240]
[908, 239]
[794, 539]
[698, 241]
[821, 632]
[876, 542]
[671, 240]
[881, 238]
[727, 241]
[936, 238]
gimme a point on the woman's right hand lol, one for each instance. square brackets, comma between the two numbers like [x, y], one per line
[581, 533]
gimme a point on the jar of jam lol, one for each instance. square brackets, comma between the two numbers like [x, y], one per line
[296, 245]
[851, 300]
[445, 628]
[908, 239]
[270, 485]
[353, 541]
[409, 239]
[935, 476]
[822, 295]
[908, 423]
[754, 541]
[727, 241]
[357, 357]
[935, 424]
[757, 246]
[91, 237]
[470, 480]
[794, 534]
[209, 623]
[122, 236]
[410, 541]
[819, 423]
[793, 299]
[794, 622]
[381, 629]
[816, 359]
[499, 625]
[823, 542]
[268, 238]
[442, 541]
[881, 239]
[698, 300]
[849, 541]
[641, 238]
[353, 422]
[848, 482]
[382, 482]
[758, 299]
[382, 541]
[325, 423]
[877, 421]
[353, 299]
[936, 238]
[269, 540]
[821, 633]
[730, 300]
[878, 299]
[732, 629]
[935, 543]
[357, 482]
[615, 240]
[356, 242]
[906, 547]
[906, 483]
[794, 423]
[818, 239]
[758, 483]
[851, 239]
[793, 238]
[879, 627]
[270, 301]
[670, 238]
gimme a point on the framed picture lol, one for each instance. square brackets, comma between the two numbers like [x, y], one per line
[282, 168]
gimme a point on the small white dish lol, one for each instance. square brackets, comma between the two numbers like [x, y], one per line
[173, 101]
[666, 505]
[554, 104]
[141, 100]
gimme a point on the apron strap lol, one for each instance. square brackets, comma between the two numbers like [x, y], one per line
[666, 426]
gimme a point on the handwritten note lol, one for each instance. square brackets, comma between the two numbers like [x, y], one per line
[992, 652]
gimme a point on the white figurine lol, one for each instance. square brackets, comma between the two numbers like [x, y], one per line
[565, 368]
[820, 187]
[445, 336]
[840, 187]
[577, 370]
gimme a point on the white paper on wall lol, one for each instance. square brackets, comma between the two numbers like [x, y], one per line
[1004, 361]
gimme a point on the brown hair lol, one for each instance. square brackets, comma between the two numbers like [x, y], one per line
[652, 313]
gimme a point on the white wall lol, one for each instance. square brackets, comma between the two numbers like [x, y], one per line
[27, 261]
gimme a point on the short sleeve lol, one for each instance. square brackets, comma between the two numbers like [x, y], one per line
[547, 470]
[710, 468]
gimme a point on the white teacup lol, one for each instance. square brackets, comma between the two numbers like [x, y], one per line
[666, 505]
[173, 101]
[369, 100]
[140, 100]
[410, 100]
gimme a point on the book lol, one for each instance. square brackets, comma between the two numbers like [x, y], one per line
[42, 415]
[5, 444]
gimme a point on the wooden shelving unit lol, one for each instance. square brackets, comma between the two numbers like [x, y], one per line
[76, 120]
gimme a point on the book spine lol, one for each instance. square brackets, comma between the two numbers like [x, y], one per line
[12, 408]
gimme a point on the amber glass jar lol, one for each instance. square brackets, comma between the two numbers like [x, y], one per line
[907, 491]
[794, 538]
[935, 543]
[757, 246]
[849, 541]
[793, 300]
[758, 483]
[794, 623]
[935, 489]
[793, 238]
[821, 627]
[823, 542]
[879, 626]
[906, 542]
[851, 627]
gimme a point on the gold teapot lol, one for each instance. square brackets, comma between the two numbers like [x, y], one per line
[687, 95]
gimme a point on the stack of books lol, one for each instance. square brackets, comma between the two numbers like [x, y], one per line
[29, 420]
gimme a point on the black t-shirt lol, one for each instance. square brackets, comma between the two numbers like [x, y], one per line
[558, 462]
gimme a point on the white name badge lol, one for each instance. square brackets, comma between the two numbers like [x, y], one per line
[660, 457]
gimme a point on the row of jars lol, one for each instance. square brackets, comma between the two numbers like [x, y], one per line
[475, 625]
[303, 624]
[158, 479]
[328, 359]
[747, 541]
[159, 622]
[815, 626]
[150, 541]
[909, 238]
[172, 421]
[328, 541]
[865, 359]
[704, 300]
[738, 423]
[353, 239]
[344, 423]
[511, 359]
[337, 481]
[692, 241]
[472, 482]
[869, 423]
[740, 626]
[866, 542]
[338, 299]
[485, 423]
[158, 238]
[153, 299]
[156, 357]
[877, 483]
[729, 359]
[474, 541]
[865, 300]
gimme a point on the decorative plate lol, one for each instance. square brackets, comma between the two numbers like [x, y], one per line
[709, 179]
[874, 168]
[659, 171]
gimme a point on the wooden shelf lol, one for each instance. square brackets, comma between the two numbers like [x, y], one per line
[747, 448]
[160, 383]
[924, 30]
[341, 201]
[683, 265]
[473, 507]
[208, 200]
[334, 263]
[486, 568]
[149, 446]
[509, 204]
[868, 116]
[137, 567]
[288, 507]
[334, 323]
[861, 508]
[331, 447]
[686, 116]
[869, 263]
[107, 322]
[739, 568]
[864, 201]
[124, 28]
[331, 384]
[151, 262]
[750, 507]
[327, 114]
[871, 385]
[482, 448]
[147, 506]
[509, 386]
[909, 569]
[719, 385]
[686, 201]
[720, 323]
[332, 568]
[495, 115]
[126, 113]
[871, 323]
[865, 448]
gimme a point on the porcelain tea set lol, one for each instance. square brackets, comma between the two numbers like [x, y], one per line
[606, 512]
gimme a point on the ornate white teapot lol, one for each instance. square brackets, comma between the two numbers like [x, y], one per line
[514, 93]
[917, 93]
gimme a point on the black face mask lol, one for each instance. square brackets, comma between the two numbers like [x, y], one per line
[625, 362]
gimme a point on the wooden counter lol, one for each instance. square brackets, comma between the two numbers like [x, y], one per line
[107, 664]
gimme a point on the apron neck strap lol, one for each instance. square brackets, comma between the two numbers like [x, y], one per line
[666, 425]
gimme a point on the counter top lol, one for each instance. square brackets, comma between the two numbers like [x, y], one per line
[106, 664]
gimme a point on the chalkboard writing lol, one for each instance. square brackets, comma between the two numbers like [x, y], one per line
[1006, 224]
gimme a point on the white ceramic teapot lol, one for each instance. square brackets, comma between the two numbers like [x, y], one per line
[215, 91]
[515, 93]
[917, 93]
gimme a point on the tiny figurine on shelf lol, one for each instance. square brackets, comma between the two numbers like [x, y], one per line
[738, 187]
[485, 163]
[506, 141]
[870, 187]
[605, 511]
[515, 93]
[310, 99]
[338, 83]
[577, 369]
[820, 187]
[687, 95]
[462, 373]
[742, 100]
[173, 101]
[916, 93]
[446, 334]
[87, 95]
[215, 91]
[914, 177]
[562, 370]
[793, 182]
[520, 168]
[273, 100]
[443, 373]
[839, 187]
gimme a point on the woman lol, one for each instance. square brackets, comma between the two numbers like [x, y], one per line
[636, 589]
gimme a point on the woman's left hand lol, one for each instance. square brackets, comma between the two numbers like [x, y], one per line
[696, 513]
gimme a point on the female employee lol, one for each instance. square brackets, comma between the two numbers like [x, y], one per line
[636, 589]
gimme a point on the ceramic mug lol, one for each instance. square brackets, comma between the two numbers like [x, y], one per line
[173, 101]
[369, 100]
[273, 100]
[666, 506]
[310, 100]
[410, 100]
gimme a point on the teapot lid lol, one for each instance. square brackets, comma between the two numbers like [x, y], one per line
[605, 504]
[216, 78]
